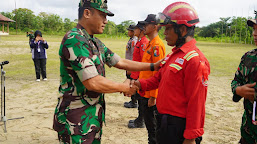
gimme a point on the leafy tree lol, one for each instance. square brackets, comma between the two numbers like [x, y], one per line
[24, 18]
[67, 24]
[110, 28]
[121, 28]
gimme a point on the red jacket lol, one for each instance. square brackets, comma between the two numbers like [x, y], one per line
[182, 82]
[138, 53]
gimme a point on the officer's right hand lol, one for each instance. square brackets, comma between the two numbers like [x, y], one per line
[132, 89]
[247, 91]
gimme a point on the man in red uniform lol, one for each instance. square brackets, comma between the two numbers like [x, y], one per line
[181, 80]
[139, 49]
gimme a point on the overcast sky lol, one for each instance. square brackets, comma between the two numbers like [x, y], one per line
[209, 11]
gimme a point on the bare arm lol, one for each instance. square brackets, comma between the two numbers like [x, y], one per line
[247, 91]
[101, 84]
[136, 66]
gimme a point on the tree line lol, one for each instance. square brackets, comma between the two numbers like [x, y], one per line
[229, 29]
[53, 24]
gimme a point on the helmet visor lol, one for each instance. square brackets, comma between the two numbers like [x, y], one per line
[163, 19]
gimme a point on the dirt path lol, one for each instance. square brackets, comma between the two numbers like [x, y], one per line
[36, 102]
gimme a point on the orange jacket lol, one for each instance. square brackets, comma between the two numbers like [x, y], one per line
[154, 52]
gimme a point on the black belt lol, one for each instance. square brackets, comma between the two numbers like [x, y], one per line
[169, 119]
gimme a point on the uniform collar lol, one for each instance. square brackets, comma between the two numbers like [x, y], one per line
[186, 47]
[84, 32]
[142, 38]
[154, 39]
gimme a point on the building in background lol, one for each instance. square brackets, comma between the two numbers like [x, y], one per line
[4, 21]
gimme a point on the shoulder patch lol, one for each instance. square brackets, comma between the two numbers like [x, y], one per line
[190, 55]
[156, 51]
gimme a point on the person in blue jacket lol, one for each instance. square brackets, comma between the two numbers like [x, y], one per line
[39, 56]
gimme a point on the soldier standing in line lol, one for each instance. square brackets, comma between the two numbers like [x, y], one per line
[80, 111]
[244, 86]
[129, 55]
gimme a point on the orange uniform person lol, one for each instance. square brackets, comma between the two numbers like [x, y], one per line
[154, 52]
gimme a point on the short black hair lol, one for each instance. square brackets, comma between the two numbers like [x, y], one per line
[38, 33]
[81, 11]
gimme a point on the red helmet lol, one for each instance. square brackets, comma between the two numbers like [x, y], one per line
[179, 13]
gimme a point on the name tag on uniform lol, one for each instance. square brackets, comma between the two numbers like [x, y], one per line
[180, 61]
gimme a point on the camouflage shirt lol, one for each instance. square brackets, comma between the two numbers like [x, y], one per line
[80, 111]
[31, 36]
[246, 74]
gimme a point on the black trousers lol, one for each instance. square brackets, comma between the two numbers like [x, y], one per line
[149, 118]
[170, 130]
[40, 67]
[134, 98]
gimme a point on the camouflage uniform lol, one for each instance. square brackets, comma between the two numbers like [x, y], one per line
[79, 114]
[31, 37]
[246, 74]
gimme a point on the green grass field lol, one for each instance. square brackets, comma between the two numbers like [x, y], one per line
[224, 59]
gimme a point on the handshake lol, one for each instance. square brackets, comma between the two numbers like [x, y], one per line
[132, 87]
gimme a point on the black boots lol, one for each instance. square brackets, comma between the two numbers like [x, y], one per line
[130, 105]
[137, 123]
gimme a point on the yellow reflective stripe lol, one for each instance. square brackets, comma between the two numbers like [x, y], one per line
[176, 66]
[192, 55]
[163, 62]
[189, 53]
[182, 6]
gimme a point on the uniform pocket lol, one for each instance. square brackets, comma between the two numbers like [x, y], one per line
[147, 56]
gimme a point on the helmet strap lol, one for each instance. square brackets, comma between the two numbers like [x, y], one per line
[181, 40]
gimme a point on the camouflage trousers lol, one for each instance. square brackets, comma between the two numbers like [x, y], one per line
[78, 139]
[248, 130]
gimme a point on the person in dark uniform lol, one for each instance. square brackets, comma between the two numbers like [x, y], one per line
[39, 56]
[244, 86]
[31, 37]
[129, 55]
